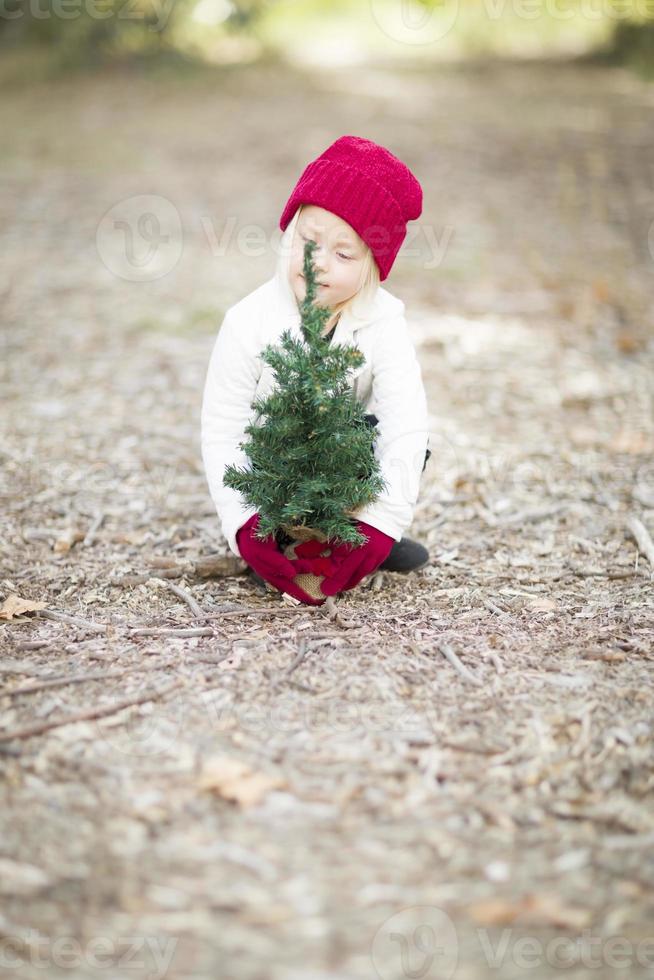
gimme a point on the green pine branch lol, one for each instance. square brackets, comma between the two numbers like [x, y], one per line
[310, 450]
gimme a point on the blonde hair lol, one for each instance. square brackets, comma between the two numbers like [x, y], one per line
[361, 301]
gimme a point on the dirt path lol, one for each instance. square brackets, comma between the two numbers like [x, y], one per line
[460, 760]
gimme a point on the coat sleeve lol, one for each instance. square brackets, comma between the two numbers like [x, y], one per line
[229, 390]
[401, 408]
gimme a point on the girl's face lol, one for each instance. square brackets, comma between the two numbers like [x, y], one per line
[338, 257]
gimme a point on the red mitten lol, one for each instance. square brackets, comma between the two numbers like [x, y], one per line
[265, 557]
[287, 585]
[320, 564]
[355, 562]
[311, 549]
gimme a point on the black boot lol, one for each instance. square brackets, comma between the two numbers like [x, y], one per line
[264, 585]
[406, 556]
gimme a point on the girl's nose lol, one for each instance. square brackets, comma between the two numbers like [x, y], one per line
[319, 259]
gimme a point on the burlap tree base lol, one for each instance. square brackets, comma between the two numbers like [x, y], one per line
[309, 583]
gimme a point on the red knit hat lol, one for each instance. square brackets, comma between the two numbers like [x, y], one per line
[363, 183]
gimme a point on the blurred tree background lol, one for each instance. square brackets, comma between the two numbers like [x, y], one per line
[60, 36]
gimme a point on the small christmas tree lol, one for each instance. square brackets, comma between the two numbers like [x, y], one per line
[311, 460]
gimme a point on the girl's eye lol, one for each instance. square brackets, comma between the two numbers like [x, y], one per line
[340, 254]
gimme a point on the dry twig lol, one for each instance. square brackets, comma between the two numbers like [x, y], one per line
[60, 617]
[183, 632]
[641, 535]
[332, 611]
[63, 681]
[92, 531]
[181, 594]
[100, 711]
[461, 668]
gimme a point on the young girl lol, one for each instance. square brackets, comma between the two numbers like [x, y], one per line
[354, 201]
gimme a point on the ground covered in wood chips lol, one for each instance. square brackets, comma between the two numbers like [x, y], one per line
[446, 774]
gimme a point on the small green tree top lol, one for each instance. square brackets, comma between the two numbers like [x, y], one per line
[311, 459]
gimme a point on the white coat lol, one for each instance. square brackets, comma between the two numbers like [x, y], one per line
[388, 383]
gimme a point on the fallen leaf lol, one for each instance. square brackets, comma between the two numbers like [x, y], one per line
[634, 442]
[233, 662]
[585, 435]
[236, 781]
[494, 912]
[530, 908]
[629, 341]
[14, 605]
[543, 605]
[129, 537]
[607, 656]
[21, 879]
[67, 540]
[548, 909]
